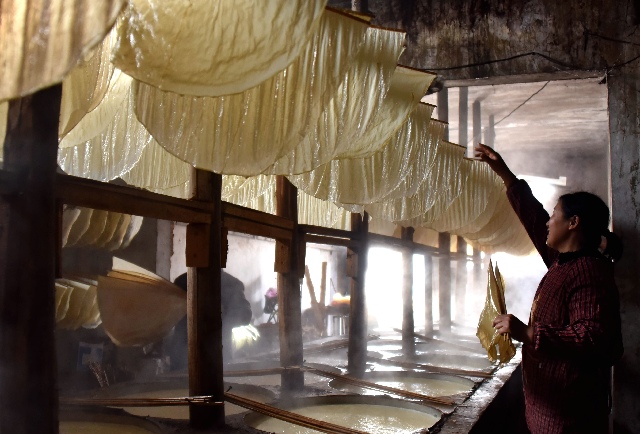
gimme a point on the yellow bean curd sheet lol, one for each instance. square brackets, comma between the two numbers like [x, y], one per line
[423, 386]
[378, 419]
[83, 427]
[182, 411]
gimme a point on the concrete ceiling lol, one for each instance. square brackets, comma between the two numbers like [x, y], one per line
[569, 115]
[548, 129]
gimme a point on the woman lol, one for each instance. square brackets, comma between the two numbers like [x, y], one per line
[573, 336]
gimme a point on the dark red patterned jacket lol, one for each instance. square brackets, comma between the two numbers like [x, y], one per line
[577, 334]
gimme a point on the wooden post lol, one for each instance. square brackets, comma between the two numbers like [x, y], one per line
[28, 371]
[443, 109]
[204, 306]
[479, 279]
[290, 274]
[408, 341]
[428, 294]
[461, 280]
[356, 269]
[476, 114]
[463, 120]
[444, 279]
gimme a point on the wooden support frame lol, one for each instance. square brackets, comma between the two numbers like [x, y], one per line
[288, 258]
[399, 243]
[204, 312]
[130, 200]
[356, 269]
[408, 341]
[444, 280]
[460, 291]
[28, 378]
[428, 294]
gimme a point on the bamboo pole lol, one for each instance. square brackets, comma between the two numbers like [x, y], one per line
[142, 402]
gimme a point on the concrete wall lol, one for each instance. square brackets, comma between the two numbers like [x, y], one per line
[624, 88]
[574, 35]
[451, 33]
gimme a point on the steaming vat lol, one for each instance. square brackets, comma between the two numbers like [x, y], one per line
[433, 385]
[179, 388]
[454, 361]
[376, 415]
[104, 421]
[237, 373]
[434, 353]
[436, 346]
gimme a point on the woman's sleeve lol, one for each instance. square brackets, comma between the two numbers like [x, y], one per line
[594, 329]
[533, 217]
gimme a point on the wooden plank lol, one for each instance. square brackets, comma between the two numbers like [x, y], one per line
[28, 375]
[391, 242]
[263, 218]
[524, 78]
[330, 232]
[130, 200]
[323, 288]
[235, 224]
[318, 311]
[357, 353]
[330, 241]
[289, 310]
[197, 248]
[204, 314]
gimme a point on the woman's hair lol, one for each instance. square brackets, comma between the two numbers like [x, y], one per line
[612, 246]
[593, 212]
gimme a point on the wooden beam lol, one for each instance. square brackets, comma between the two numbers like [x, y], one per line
[408, 342]
[28, 368]
[524, 78]
[250, 227]
[204, 313]
[357, 263]
[331, 241]
[329, 232]
[230, 210]
[399, 243]
[289, 302]
[130, 200]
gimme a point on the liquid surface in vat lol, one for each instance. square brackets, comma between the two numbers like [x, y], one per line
[456, 362]
[270, 380]
[181, 411]
[78, 427]
[423, 386]
[378, 419]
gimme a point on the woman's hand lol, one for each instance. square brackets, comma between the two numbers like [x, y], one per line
[495, 161]
[512, 325]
